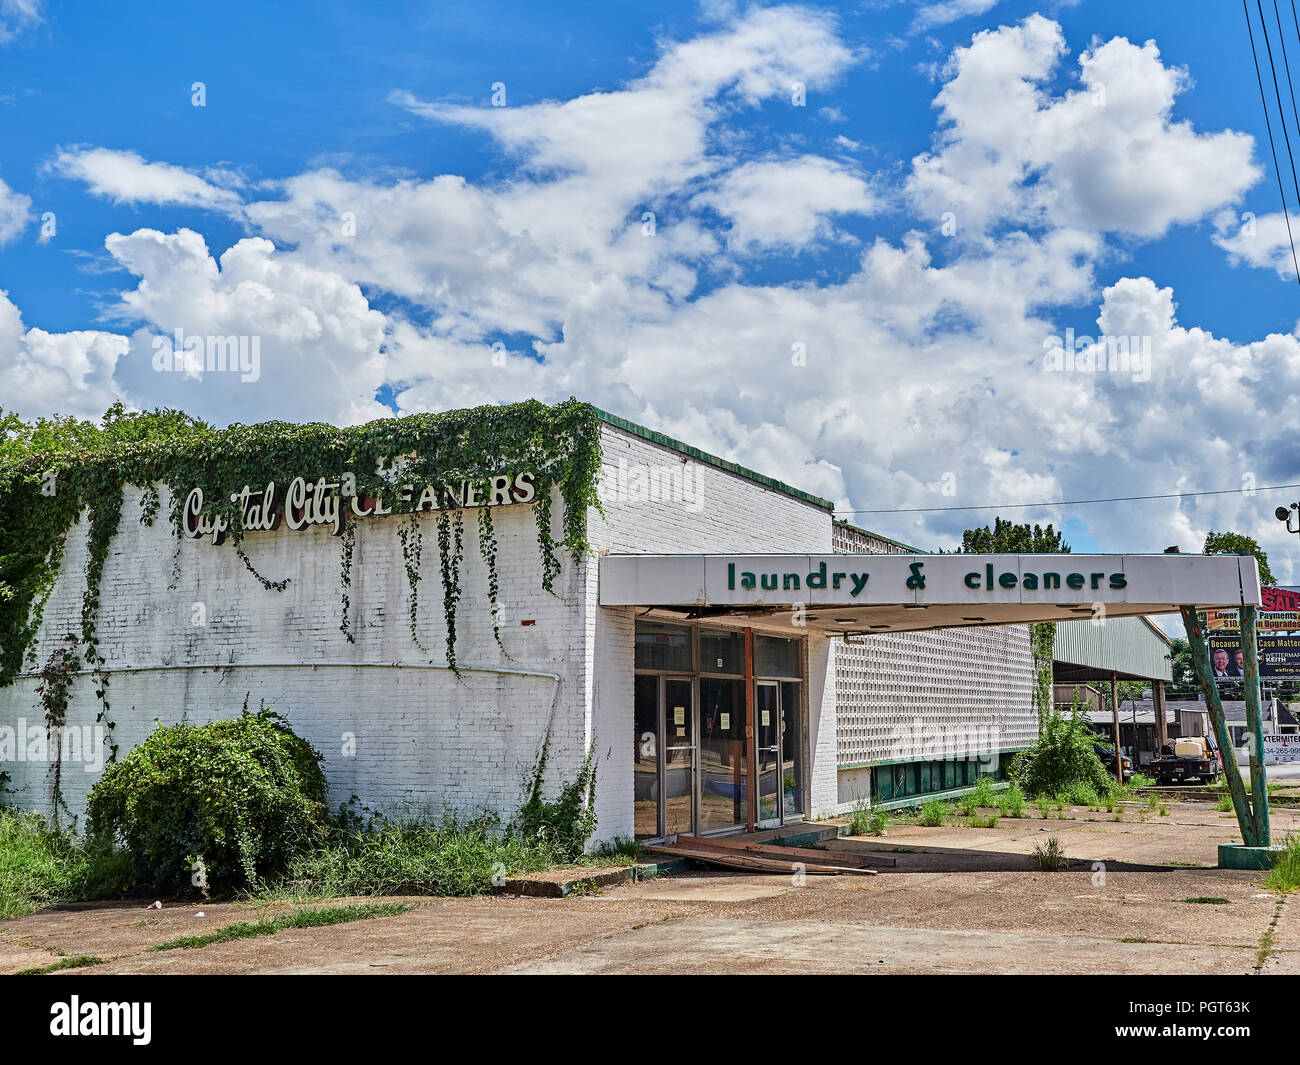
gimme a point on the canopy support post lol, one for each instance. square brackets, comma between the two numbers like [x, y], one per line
[1205, 674]
[1254, 721]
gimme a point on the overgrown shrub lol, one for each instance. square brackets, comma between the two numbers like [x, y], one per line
[214, 806]
[1062, 759]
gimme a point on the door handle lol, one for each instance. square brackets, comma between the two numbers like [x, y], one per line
[690, 747]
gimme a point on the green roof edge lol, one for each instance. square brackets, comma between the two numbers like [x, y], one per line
[664, 440]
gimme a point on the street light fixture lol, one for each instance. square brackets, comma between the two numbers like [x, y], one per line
[1290, 515]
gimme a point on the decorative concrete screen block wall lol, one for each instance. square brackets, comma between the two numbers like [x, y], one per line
[901, 695]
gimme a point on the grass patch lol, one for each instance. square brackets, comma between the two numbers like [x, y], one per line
[1011, 803]
[76, 961]
[1208, 900]
[448, 857]
[313, 917]
[1224, 804]
[1049, 856]
[1285, 874]
[982, 822]
[42, 867]
[620, 851]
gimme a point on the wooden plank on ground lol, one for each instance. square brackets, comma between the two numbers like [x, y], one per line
[852, 859]
[755, 863]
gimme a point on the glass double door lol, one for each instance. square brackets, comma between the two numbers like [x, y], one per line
[776, 735]
[692, 761]
[666, 756]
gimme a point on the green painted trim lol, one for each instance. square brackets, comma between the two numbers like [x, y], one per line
[922, 761]
[674, 444]
[1242, 856]
[876, 536]
[921, 800]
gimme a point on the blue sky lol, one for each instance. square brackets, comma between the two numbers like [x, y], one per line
[775, 225]
[291, 85]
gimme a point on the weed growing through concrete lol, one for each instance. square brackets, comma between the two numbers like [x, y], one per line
[308, 918]
[76, 961]
[1050, 856]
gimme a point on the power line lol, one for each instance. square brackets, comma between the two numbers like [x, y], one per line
[1068, 502]
[1269, 126]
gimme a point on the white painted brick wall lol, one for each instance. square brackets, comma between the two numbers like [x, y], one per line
[426, 742]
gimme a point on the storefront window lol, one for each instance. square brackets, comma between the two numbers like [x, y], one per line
[722, 652]
[663, 646]
[776, 657]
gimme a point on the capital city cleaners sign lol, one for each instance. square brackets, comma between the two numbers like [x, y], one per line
[303, 503]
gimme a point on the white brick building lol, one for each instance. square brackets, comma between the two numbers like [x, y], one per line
[660, 698]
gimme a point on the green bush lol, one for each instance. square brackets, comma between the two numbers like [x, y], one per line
[1083, 794]
[216, 806]
[1062, 759]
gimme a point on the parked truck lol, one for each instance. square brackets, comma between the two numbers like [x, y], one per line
[1189, 758]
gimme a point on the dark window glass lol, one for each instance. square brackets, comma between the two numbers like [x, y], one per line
[662, 646]
[722, 652]
[776, 657]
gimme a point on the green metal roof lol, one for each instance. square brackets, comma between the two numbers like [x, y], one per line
[1135, 648]
[713, 460]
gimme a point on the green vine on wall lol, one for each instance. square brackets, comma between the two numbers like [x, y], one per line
[1042, 642]
[54, 470]
[55, 691]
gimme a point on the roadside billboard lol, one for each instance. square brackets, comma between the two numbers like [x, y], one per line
[1277, 637]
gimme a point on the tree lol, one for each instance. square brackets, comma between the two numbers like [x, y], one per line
[1008, 537]
[1232, 543]
[1183, 672]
